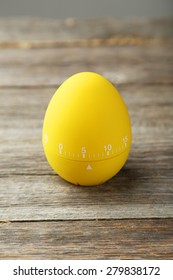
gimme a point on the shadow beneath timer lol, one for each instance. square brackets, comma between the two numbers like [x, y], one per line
[122, 188]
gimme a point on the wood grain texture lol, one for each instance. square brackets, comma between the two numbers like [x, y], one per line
[36, 198]
[126, 239]
[121, 65]
[30, 190]
[21, 125]
[39, 33]
[41, 215]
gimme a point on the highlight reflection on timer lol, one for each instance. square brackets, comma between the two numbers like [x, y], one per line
[86, 131]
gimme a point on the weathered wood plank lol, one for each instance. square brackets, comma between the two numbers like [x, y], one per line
[33, 199]
[35, 32]
[29, 190]
[21, 120]
[50, 67]
[36, 198]
[126, 239]
[103, 55]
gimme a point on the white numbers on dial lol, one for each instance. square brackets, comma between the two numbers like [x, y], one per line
[60, 147]
[107, 149]
[125, 140]
[83, 151]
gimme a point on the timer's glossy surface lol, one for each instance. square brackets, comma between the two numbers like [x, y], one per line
[86, 131]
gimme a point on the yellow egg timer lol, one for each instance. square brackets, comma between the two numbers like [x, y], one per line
[86, 132]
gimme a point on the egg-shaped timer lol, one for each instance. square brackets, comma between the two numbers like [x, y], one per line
[86, 131]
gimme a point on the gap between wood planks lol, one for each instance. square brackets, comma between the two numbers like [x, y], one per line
[80, 220]
[94, 42]
[55, 86]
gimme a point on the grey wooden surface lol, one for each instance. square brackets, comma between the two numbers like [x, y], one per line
[35, 57]
[99, 239]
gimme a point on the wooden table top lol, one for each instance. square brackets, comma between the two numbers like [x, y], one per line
[41, 215]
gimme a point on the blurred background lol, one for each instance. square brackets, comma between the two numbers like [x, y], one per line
[86, 8]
